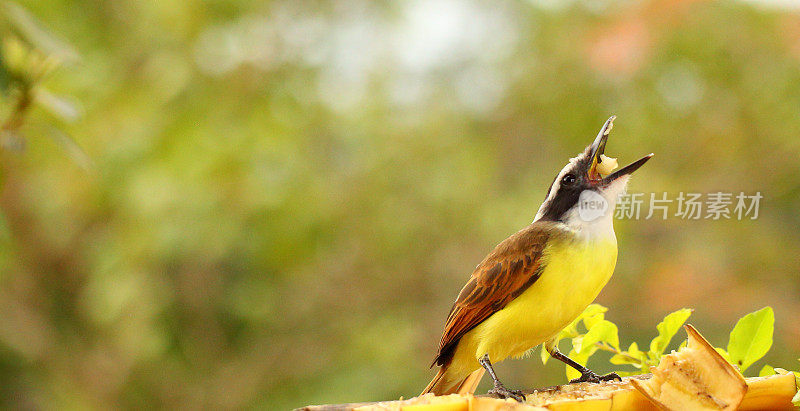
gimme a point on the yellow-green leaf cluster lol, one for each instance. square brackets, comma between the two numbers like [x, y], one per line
[750, 340]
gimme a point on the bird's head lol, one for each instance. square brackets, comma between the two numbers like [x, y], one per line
[586, 190]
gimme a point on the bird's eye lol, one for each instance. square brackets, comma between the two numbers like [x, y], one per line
[568, 179]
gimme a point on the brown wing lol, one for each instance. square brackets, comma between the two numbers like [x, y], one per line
[503, 275]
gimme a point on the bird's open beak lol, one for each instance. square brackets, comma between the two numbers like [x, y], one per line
[598, 148]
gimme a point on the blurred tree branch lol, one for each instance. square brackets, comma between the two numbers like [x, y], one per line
[29, 54]
[14, 121]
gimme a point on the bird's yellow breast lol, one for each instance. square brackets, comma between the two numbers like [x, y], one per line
[575, 270]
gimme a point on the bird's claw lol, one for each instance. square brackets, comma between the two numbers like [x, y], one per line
[591, 376]
[503, 392]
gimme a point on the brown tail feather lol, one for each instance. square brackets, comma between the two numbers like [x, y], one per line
[439, 386]
[435, 386]
[470, 384]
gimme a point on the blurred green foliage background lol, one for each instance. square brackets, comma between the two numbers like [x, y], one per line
[275, 203]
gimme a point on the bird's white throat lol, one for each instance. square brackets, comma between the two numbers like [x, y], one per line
[592, 217]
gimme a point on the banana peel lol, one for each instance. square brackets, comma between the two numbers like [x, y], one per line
[494, 404]
[427, 402]
[694, 378]
[609, 395]
[774, 392]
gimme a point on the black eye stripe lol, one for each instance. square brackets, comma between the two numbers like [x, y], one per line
[568, 179]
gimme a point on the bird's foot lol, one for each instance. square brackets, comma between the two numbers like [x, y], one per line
[500, 391]
[590, 376]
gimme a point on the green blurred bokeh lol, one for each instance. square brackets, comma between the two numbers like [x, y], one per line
[285, 197]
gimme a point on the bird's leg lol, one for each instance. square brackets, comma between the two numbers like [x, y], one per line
[499, 389]
[587, 375]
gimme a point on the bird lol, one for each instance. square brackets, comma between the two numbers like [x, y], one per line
[538, 280]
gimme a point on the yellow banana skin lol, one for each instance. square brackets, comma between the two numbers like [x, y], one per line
[774, 392]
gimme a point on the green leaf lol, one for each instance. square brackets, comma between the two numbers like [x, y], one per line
[666, 330]
[590, 321]
[577, 343]
[632, 356]
[593, 314]
[633, 350]
[766, 370]
[641, 355]
[571, 330]
[620, 359]
[751, 338]
[544, 354]
[604, 331]
[592, 310]
[581, 358]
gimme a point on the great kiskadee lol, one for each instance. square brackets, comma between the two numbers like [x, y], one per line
[534, 283]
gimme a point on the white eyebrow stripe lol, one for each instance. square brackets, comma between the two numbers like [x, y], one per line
[554, 189]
